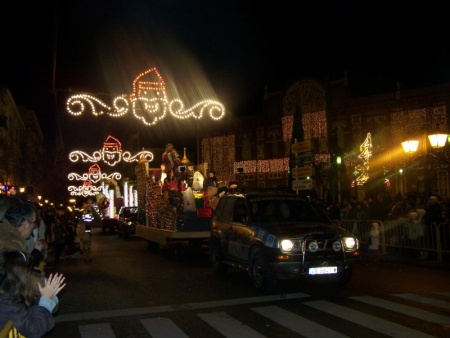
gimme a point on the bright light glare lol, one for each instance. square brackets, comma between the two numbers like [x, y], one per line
[350, 242]
[286, 245]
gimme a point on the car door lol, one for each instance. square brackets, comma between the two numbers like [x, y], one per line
[222, 223]
[241, 234]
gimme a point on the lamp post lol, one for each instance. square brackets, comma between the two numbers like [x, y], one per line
[437, 142]
[400, 171]
[338, 163]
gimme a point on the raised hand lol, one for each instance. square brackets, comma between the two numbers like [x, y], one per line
[53, 285]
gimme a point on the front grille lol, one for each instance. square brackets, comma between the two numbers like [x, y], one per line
[323, 243]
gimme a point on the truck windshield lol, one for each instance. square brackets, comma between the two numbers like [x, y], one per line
[284, 210]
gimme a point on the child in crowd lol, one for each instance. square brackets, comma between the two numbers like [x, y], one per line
[29, 312]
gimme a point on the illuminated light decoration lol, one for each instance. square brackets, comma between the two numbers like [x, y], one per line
[148, 103]
[131, 196]
[314, 125]
[272, 165]
[149, 99]
[125, 195]
[216, 110]
[94, 175]
[405, 123]
[111, 154]
[87, 189]
[135, 199]
[111, 207]
[362, 169]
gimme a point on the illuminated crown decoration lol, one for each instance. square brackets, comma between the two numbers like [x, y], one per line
[148, 103]
[87, 189]
[111, 154]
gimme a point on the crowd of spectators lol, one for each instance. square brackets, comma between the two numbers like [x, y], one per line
[428, 213]
[387, 208]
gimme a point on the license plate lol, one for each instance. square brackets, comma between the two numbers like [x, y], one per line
[323, 270]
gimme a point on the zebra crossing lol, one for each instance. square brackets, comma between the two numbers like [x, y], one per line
[226, 325]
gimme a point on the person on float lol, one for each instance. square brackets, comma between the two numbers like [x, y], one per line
[171, 159]
[170, 182]
[211, 181]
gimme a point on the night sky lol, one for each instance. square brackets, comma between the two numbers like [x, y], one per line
[228, 50]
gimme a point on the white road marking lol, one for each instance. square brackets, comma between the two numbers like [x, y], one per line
[176, 307]
[374, 323]
[228, 326]
[302, 326]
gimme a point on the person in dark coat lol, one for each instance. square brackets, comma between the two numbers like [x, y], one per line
[432, 218]
[30, 314]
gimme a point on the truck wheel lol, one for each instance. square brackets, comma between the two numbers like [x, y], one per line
[262, 275]
[217, 260]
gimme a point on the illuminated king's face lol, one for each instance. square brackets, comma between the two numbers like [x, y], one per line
[111, 157]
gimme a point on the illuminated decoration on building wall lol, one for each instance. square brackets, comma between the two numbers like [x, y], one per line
[94, 175]
[148, 103]
[111, 154]
[87, 189]
[362, 168]
[314, 125]
[412, 123]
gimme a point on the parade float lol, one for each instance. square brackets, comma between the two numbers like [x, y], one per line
[178, 219]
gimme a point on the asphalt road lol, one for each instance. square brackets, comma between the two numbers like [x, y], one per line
[128, 291]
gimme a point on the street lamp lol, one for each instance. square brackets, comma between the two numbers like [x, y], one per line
[438, 141]
[410, 147]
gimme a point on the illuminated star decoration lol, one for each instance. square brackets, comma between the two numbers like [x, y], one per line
[148, 103]
[111, 154]
[87, 189]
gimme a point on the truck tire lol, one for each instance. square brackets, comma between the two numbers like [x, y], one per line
[261, 274]
[217, 259]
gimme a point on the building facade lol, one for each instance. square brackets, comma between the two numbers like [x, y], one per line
[22, 148]
[365, 133]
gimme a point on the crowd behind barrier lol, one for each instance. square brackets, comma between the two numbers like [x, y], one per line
[404, 238]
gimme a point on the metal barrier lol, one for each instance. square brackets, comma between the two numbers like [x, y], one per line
[403, 237]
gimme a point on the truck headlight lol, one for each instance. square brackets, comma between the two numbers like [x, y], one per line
[350, 243]
[288, 245]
